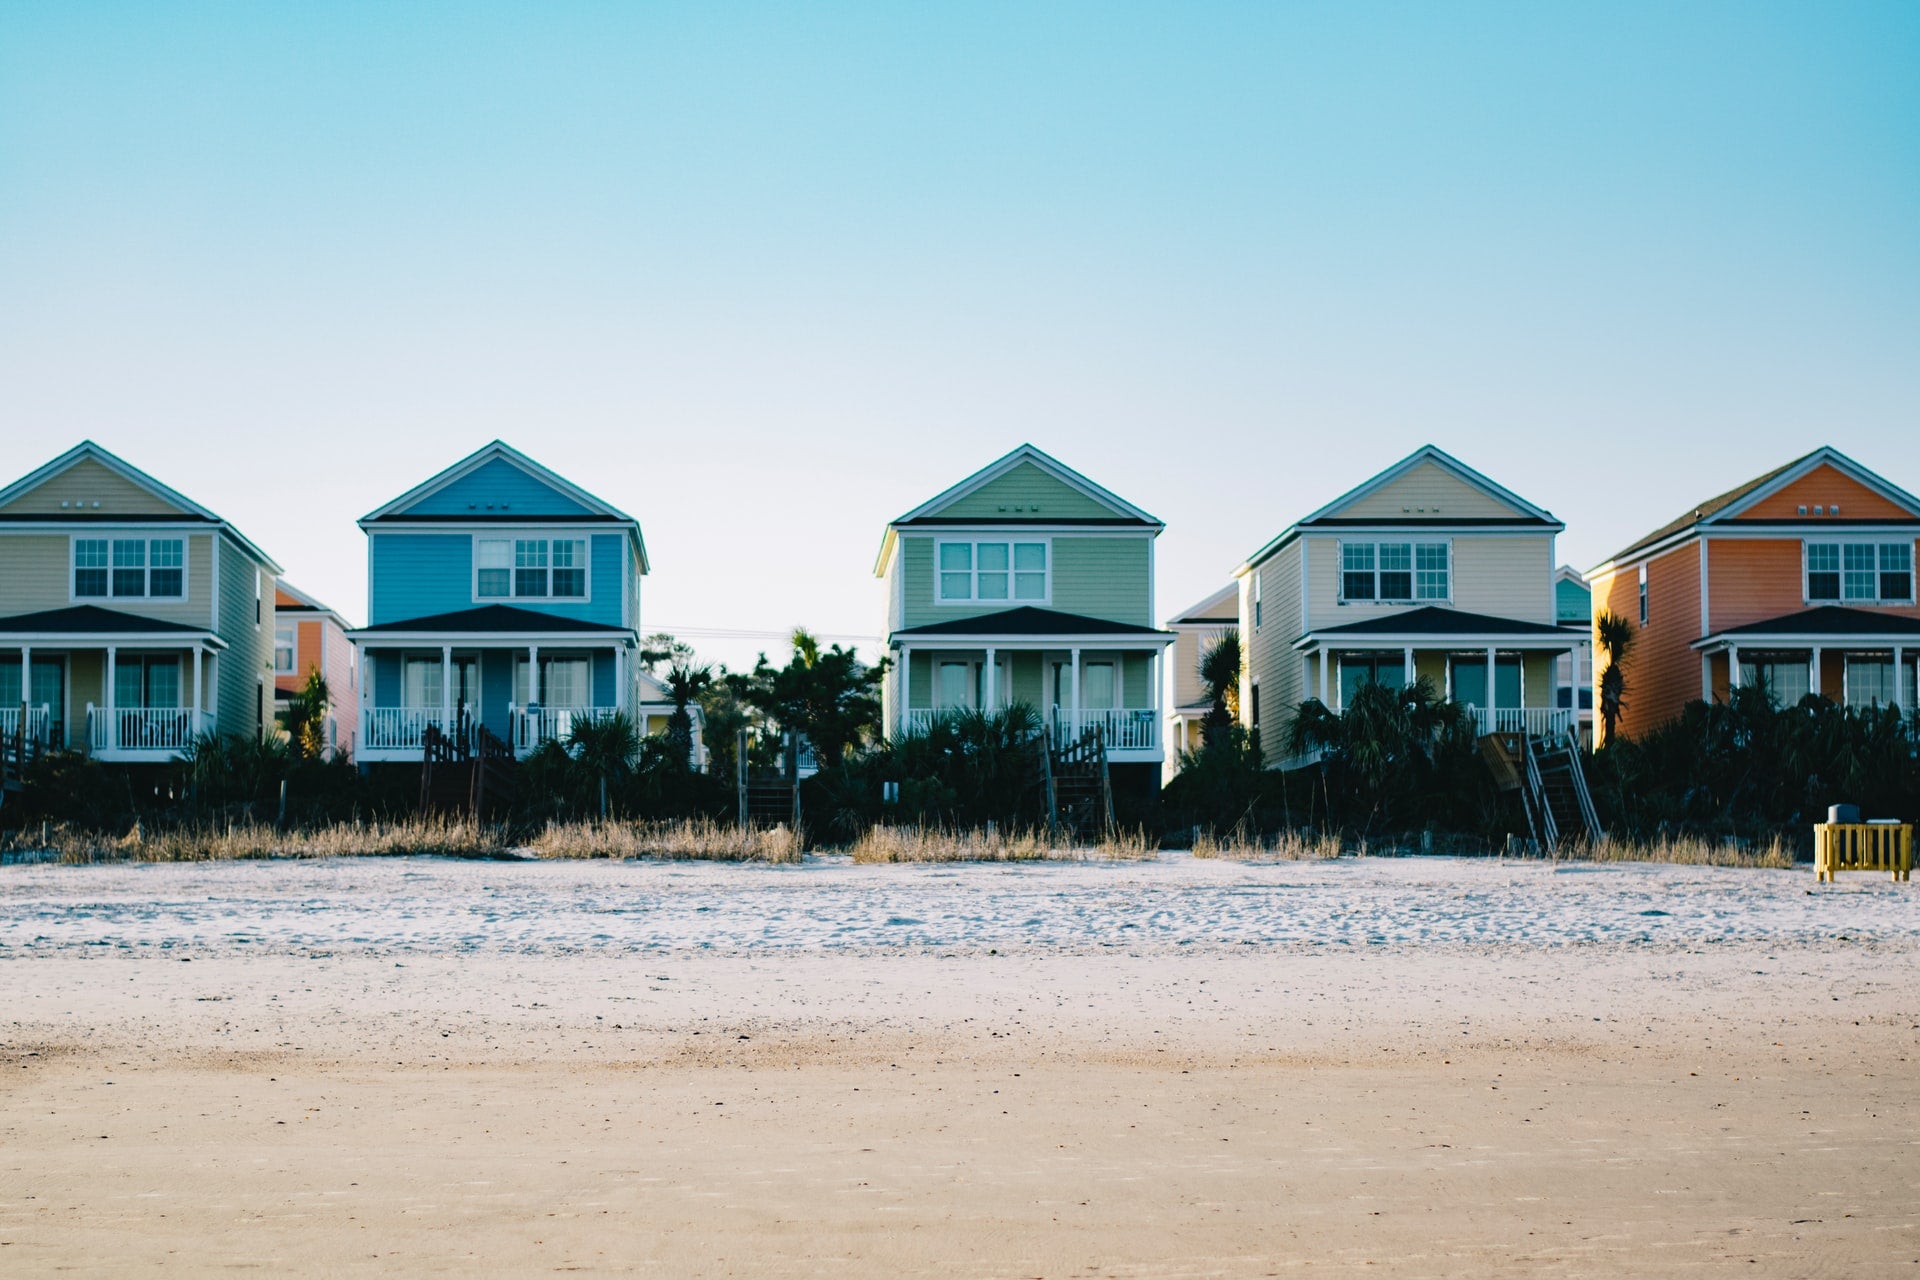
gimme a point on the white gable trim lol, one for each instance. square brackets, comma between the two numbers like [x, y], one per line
[1446, 462]
[125, 470]
[1200, 609]
[1052, 466]
[1825, 456]
[498, 450]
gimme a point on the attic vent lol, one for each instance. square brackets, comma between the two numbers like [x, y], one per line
[1803, 508]
[1819, 511]
[1834, 510]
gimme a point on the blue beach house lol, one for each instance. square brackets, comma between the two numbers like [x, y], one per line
[500, 596]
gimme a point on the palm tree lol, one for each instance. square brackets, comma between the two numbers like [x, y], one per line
[1614, 635]
[604, 748]
[685, 682]
[306, 717]
[1219, 672]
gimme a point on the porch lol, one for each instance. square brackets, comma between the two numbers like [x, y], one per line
[120, 688]
[1115, 689]
[1856, 657]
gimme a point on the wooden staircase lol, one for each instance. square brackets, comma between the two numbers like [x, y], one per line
[1552, 783]
[1079, 787]
[768, 797]
[471, 771]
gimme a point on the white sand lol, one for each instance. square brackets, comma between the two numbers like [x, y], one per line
[1405, 1067]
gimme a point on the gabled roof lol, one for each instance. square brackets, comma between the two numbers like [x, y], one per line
[1222, 606]
[305, 601]
[493, 618]
[1434, 621]
[92, 620]
[87, 451]
[1828, 620]
[1525, 513]
[1029, 621]
[1729, 505]
[500, 450]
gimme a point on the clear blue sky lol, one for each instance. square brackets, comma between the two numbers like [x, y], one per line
[768, 277]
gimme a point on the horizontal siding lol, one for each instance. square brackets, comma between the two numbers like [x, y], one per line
[35, 573]
[417, 575]
[1663, 673]
[83, 484]
[246, 668]
[1753, 579]
[498, 488]
[1825, 486]
[1427, 489]
[1033, 491]
[1504, 576]
[1096, 577]
[1270, 662]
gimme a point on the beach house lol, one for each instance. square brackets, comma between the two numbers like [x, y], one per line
[500, 597]
[308, 637]
[1027, 582]
[1429, 569]
[1800, 580]
[1573, 672]
[1196, 629]
[132, 619]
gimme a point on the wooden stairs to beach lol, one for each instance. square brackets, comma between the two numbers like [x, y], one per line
[1552, 783]
[471, 771]
[1079, 787]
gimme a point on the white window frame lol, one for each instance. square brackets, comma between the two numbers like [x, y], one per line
[1011, 600]
[512, 536]
[1806, 571]
[1413, 546]
[293, 648]
[146, 569]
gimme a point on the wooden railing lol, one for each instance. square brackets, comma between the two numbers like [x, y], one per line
[39, 722]
[1538, 722]
[141, 728]
[1863, 846]
[397, 728]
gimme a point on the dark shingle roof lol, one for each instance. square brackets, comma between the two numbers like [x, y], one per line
[1710, 507]
[1830, 620]
[1433, 621]
[88, 619]
[1029, 621]
[494, 617]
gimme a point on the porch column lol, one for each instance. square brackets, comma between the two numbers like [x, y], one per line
[113, 682]
[1899, 680]
[992, 683]
[1813, 671]
[533, 675]
[26, 680]
[1493, 692]
[446, 687]
[1406, 667]
[1733, 669]
[1075, 730]
[1706, 677]
[1323, 678]
[197, 699]
[905, 720]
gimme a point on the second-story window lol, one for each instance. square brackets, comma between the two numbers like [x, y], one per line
[993, 571]
[1860, 572]
[130, 567]
[1259, 604]
[530, 568]
[283, 636]
[1643, 595]
[1396, 572]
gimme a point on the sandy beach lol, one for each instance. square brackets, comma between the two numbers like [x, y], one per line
[1172, 1068]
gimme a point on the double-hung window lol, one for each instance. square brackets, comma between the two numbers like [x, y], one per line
[1860, 572]
[129, 567]
[283, 648]
[1395, 572]
[530, 568]
[992, 571]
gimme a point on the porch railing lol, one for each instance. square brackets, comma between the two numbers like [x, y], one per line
[141, 728]
[397, 728]
[534, 725]
[39, 724]
[1122, 729]
[1540, 722]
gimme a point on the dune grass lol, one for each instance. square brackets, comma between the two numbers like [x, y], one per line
[932, 844]
[699, 838]
[1285, 846]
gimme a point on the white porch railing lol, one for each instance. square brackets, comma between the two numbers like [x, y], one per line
[1541, 722]
[1124, 728]
[534, 725]
[169, 729]
[39, 724]
[397, 728]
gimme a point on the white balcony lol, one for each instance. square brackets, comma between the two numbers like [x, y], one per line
[39, 725]
[1124, 729]
[534, 725]
[1540, 722]
[141, 733]
[396, 733]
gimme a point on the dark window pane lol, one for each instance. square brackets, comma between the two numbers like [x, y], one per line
[1896, 586]
[1396, 586]
[1823, 586]
[1357, 586]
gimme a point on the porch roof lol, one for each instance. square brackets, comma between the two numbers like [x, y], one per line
[1030, 623]
[1827, 624]
[89, 623]
[1430, 623]
[492, 620]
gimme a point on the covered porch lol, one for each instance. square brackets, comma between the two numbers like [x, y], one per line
[1506, 671]
[1078, 673]
[522, 687]
[118, 687]
[1856, 657]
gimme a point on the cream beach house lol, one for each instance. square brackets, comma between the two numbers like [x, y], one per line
[1196, 629]
[1027, 582]
[132, 619]
[1429, 569]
